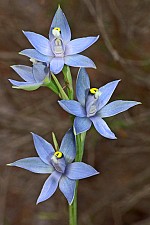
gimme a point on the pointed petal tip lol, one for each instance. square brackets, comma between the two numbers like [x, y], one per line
[70, 203]
[96, 173]
[33, 134]
[15, 87]
[94, 67]
[24, 32]
[37, 202]
[118, 80]
[9, 164]
[13, 66]
[114, 138]
[98, 36]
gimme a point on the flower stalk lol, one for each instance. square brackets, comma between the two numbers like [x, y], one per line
[80, 140]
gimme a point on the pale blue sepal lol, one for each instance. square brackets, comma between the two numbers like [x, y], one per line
[106, 92]
[25, 72]
[25, 85]
[33, 53]
[68, 147]
[80, 170]
[82, 86]
[39, 42]
[40, 71]
[60, 21]
[49, 186]
[116, 107]
[79, 45]
[82, 124]
[56, 65]
[67, 187]
[73, 107]
[33, 164]
[79, 61]
[44, 149]
[102, 128]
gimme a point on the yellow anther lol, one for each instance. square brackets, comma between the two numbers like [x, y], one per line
[58, 154]
[56, 32]
[93, 90]
[57, 28]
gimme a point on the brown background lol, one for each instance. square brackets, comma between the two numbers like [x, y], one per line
[121, 194]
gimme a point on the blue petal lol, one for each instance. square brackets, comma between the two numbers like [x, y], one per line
[82, 124]
[73, 107]
[68, 147]
[32, 53]
[25, 72]
[79, 45]
[44, 149]
[25, 85]
[106, 92]
[79, 61]
[82, 86]
[60, 21]
[49, 186]
[116, 107]
[57, 65]
[101, 126]
[39, 42]
[33, 164]
[40, 71]
[80, 170]
[67, 187]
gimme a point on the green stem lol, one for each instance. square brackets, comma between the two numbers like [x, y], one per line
[80, 139]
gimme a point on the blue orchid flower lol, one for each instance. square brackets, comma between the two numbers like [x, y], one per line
[34, 76]
[64, 172]
[59, 49]
[92, 106]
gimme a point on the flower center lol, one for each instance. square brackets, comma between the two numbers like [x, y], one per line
[58, 161]
[58, 154]
[58, 47]
[56, 32]
[95, 92]
[92, 101]
[57, 43]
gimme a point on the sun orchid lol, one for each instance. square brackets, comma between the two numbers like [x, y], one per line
[33, 77]
[92, 106]
[64, 172]
[59, 49]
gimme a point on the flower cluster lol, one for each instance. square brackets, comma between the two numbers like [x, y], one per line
[49, 57]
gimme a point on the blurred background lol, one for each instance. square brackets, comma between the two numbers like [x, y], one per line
[120, 195]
